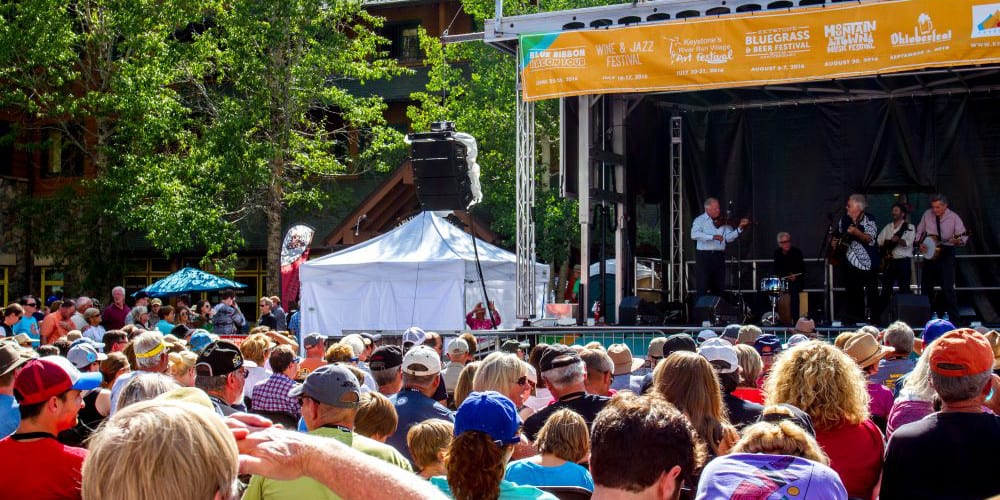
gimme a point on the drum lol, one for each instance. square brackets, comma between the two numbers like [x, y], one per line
[772, 285]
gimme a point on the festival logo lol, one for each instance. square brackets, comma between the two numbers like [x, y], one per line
[986, 20]
[570, 57]
[924, 32]
[778, 42]
[850, 37]
[703, 50]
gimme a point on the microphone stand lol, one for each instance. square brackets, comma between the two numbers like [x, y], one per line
[824, 252]
[740, 300]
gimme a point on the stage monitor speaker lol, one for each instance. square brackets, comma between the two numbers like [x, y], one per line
[705, 307]
[628, 311]
[440, 171]
[914, 310]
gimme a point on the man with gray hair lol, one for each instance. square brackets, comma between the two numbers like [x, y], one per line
[855, 239]
[790, 265]
[710, 242]
[385, 363]
[82, 304]
[957, 445]
[564, 372]
[114, 315]
[221, 374]
[898, 336]
[600, 371]
[151, 356]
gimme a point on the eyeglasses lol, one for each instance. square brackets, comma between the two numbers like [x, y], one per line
[523, 380]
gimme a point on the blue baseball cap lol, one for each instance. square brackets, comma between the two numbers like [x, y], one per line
[199, 340]
[770, 477]
[489, 412]
[936, 328]
[767, 344]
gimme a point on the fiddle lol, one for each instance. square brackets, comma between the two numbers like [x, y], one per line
[730, 221]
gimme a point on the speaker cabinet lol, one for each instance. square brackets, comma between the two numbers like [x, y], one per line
[914, 310]
[628, 311]
[440, 171]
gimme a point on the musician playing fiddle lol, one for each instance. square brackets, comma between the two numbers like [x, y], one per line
[947, 228]
[857, 230]
[896, 244]
[711, 232]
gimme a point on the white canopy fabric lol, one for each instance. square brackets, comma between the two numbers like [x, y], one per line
[422, 273]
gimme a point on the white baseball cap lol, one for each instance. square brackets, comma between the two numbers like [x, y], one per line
[421, 360]
[726, 354]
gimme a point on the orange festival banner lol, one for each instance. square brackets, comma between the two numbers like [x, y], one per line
[762, 48]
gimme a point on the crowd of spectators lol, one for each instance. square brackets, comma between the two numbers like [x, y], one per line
[275, 414]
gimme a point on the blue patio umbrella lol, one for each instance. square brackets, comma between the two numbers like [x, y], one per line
[187, 280]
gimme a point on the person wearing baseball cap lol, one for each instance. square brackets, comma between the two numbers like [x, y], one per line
[413, 335]
[722, 356]
[85, 357]
[33, 464]
[959, 442]
[329, 398]
[221, 374]
[314, 347]
[933, 329]
[386, 364]
[486, 430]
[564, 372]
[414, 404]
[458, 356]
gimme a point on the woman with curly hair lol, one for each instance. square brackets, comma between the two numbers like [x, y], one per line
[486, 430]
[825, 383]
[687, 380]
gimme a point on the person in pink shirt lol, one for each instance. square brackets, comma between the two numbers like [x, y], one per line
[866, 352]
[477, 320]
[915, 401]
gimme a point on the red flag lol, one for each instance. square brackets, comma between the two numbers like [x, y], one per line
[294, 251]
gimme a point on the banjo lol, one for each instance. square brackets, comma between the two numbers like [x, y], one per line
[932, 246]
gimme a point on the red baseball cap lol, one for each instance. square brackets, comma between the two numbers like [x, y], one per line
[960, 353]
[43, 378]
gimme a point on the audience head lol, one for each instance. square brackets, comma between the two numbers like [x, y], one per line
[182, 367]
[154, 437]
[48, 391]
[749, 334]
[385, 364]
[143, 387]
[899, 336]
[256, 347]
[486, 430]
[472, 342]
[866, 351]
[724, 360]
[314, 344]
[150, 352]
[504, 373]
[633, 426]
[330, 394]
[535, 357]
[339, 353]
[822, 381]
[428, 442]
[562, 369]
[961, 366]
[377, 417]
[751, 365]
[458, 350]
[688, 381]
[779, 434]
[114, 367]
[283, 360]
[466, 378]
[421, 366]
[600, 371]
[220, 371]
[564, 435]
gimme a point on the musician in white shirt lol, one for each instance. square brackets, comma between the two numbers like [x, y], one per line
[896, 244]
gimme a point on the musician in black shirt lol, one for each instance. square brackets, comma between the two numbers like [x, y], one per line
[789, 265]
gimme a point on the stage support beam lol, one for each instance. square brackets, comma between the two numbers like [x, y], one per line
[676, 271]
[583, 190]
[525, 208]
[619, 110]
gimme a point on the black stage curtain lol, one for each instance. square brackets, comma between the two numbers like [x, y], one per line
[791, 168]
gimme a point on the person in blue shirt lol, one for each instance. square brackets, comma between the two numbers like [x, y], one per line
[414, 403]
[711, 234]
[563, 442]
[28, 325]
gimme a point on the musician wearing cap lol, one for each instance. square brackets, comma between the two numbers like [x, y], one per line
[947, 231]
[711, 233]
[857, 230]
[896, 244]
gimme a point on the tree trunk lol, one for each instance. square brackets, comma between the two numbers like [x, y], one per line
[274, 211]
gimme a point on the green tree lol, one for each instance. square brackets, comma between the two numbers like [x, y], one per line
[99, 78]
[274, 129]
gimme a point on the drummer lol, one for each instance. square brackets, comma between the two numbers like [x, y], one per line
[791, 268]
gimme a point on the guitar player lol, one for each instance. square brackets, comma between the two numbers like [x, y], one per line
[855, 233]
[896, 244]
[947, 228]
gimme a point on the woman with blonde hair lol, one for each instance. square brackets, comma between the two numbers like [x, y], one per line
[464, 385]
[152, 437]
[256, 348]
[507, 374]
[182, 367]
[751, 366]
[563, 442]
[687, 380]
[143, 387]
[826, 384]
[916, 398]
[779, 434]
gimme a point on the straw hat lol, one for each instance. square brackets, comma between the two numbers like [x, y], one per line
[865, 350]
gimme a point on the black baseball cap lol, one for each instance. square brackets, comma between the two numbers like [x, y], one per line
[385, 357]
[219, 358]
[557, 356]
[679, 342]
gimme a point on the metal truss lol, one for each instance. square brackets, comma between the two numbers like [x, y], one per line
[676, 271]
[525, 251]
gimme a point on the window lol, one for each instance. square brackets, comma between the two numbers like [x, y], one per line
[405, 42]
[61, 157]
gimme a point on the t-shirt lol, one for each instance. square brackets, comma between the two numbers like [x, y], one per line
[741, 412]
[508, 490]
[114, 316]
[10, 415]
[627, 382]
[881, 399]
[450, 374]
[751, 394]
[27, 325]
[855, 452]
[944, 455]
[164, 326]
[540, 400]
[587, 405]
[40, 469]
[889, 371]
[905, 411]
[307, 488]
[525, 472]
[412, 407]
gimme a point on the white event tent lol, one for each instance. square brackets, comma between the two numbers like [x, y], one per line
[423, 273]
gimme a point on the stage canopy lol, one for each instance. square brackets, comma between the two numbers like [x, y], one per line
[422, 273]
